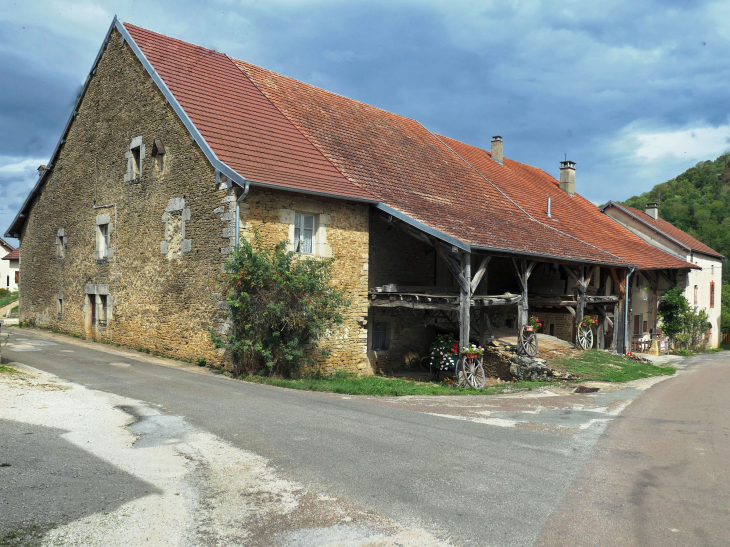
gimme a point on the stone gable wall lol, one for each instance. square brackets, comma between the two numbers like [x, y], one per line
[161, 301]
[169, 234]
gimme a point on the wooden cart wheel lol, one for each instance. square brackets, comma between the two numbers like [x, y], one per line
[528, 341]
[585, 337]
[473, 372]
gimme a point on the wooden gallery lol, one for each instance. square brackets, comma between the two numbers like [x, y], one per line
[173, 152]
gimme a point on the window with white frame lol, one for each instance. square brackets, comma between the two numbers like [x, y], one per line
[304, 233]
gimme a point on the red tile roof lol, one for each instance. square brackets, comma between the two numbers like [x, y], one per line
[279, 131]
[244, 129]
[662, 226]
[410, 169]
[12, 255]
[530, 187]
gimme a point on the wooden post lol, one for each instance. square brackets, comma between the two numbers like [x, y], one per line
[619, 315]
[465, 300]
[583, 282]
[523, 272]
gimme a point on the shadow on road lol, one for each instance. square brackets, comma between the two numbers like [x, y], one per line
[46, 480]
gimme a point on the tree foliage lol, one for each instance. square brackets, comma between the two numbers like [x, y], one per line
[684, 324]
[698, 202]
[280, 305]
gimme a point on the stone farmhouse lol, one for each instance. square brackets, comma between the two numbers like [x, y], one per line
[702, 287]
[9, 266]
[173, 152]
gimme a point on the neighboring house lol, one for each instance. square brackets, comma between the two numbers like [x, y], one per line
[702, 287]
[173, 152]
[9, 266]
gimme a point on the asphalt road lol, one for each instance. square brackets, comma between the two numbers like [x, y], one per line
[475, 483]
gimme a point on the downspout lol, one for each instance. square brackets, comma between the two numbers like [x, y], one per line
[627, 339]
[246, 188]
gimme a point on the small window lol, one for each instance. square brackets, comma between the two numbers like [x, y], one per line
[136, 161]
[102, 240]
[695, 295]
[380, 336]
[304, 233]
[646, 326]
[158, 152]
[59, 307]
[61, 243]
[102, 310]
[712, 294]
[8, 281]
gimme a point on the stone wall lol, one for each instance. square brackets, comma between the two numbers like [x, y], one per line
[158, 283]
[341, 231]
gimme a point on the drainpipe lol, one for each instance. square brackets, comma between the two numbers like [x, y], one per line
[627, 338]
[246, 188]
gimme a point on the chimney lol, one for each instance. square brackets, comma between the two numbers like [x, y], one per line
[567, 177]
[497, 148]
[652, 209]
[41, 168]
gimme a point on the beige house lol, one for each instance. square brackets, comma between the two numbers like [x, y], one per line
[702, 286]
[173, 152]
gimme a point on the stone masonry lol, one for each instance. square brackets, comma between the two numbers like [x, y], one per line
[144, 241]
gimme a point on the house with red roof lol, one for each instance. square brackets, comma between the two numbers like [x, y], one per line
[702, 286]
[9, 266]
[173, 152]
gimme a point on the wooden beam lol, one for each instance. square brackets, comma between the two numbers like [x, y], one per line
[480, 273]
[409, 304]
[454, 268]
[465, 300]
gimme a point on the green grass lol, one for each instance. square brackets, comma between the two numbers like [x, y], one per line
[16, 309]
[347, 384]
[8, 298]
[26, 537]
[5, 369]
[604, 367]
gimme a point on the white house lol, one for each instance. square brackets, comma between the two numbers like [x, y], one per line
[9, 266]
[702, 287]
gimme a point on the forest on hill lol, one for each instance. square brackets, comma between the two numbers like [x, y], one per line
[698, 202]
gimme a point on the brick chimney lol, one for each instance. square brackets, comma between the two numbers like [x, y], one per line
[41, 168]
[652, 209]
[497, 149]
[567, 177]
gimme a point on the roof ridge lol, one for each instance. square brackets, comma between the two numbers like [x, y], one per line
[348, 179]
[520, 208]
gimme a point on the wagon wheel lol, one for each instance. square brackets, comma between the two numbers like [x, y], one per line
[585, 337]
[473, 372]
[528, 341]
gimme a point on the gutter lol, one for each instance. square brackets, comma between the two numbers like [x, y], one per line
[246, 188]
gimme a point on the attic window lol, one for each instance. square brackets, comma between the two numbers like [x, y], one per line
[158, 152]
[135, 158]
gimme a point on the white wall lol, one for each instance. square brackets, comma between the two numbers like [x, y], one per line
[7, 271]
[711, 271]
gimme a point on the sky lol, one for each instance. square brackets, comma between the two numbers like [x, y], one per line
[634, 92]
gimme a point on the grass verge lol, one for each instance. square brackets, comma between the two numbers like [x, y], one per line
[8, 298]
[5, 369]
[347, 384]
[31, 536]
[602, 366]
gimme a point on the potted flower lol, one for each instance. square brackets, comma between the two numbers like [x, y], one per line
[588, 321]
[473, 351]
[444, 351]
[533, 324]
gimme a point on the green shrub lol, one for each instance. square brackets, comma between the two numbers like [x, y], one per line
[280, 305]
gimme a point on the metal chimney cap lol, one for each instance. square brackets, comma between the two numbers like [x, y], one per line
[567, 164]
[497, 138]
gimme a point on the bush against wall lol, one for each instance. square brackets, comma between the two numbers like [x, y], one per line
[280, 305]
[685, 326]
